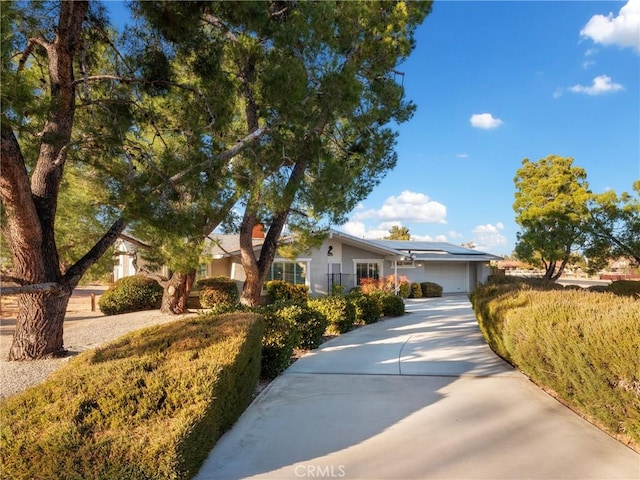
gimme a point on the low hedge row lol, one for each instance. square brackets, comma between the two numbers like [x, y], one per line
[583, 346]
[150, 405]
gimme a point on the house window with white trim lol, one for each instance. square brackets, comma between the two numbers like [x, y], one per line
[290, 272]
[367, 270]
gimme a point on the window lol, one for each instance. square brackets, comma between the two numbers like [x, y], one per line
[367, 270]
[290, 272]
[202, 271]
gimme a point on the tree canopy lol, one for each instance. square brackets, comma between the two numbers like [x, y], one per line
[282, 106]
[322, 78]
[613, 228]
[397, 232]
[551, 208]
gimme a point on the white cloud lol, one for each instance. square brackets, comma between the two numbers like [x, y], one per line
[360, 230]
[601, 85]
[623, 30]
[409, 206]
[485, 121]
[428, 238]
[462, 155]
[487, 237]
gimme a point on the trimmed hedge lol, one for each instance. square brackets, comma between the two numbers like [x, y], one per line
[430, 289]
[403, 289]
[583, 346]
[390, 305]
[281, 336]
[340, 313]
[628, 288]
[281, 291]
[217, 292]
[311, 324]
[131, 294]
[150, 405]
[416, 291]
[367, 308]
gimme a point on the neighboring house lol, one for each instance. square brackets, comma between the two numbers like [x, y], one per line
[345, 260]
[124, 256]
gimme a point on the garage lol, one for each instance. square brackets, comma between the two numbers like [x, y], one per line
[452, 276]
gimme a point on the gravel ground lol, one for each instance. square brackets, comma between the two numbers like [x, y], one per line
[82, 331]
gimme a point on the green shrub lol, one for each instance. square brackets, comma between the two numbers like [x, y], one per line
[584, 346]
[149, 405]
[416, 291]
[310, 324]
[392, 305]
[339, 312]
[404, 289]
[367, 308]
[430, 289]
[131, 294]
[281, 291]
[217, 291]
[280, 338]
[597, 288]
[627, 288]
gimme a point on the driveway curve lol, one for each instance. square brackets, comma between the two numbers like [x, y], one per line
[416, 397]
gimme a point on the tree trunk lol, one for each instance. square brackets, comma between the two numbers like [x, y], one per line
[252, 289]
[39, 326]
[175, 294]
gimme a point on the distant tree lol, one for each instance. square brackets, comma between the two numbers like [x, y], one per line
[613, 229]
[551, 208]
[398, 233]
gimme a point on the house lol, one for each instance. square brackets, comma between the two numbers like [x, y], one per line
[125, 258]
[345, 260]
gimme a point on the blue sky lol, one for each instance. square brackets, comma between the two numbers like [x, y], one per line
[497, 82]
[494, 83]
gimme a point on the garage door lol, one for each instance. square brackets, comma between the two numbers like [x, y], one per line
[452, 276]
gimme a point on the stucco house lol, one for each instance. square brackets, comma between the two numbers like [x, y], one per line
[344, 259]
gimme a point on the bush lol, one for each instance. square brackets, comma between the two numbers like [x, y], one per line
[404, 289]
[627, 288]
[131, 294]
[367, 308]
[281, 291]
[280, 338]
[149, 405]
[579, 344]
[392, 305]
[339, 312]
[217, 291]
[430, 289]
[310, 324]
[416, 291]
[597, 288]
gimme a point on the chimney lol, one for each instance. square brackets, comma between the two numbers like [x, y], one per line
[258, 231]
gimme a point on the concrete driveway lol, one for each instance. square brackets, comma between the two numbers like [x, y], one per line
[416, 397]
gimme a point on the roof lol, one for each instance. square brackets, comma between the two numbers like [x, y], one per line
[437, 251]
[220, 245]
